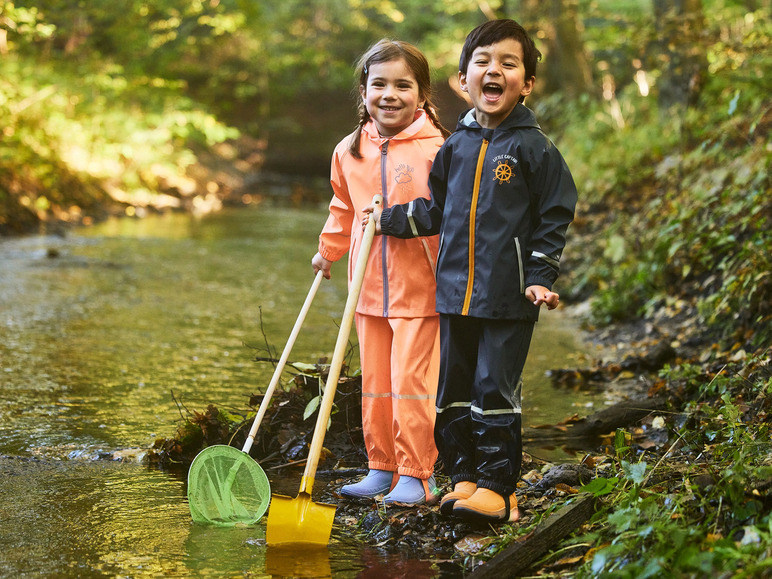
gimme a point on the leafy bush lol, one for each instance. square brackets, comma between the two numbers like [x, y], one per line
[693, 517]
[686, 201]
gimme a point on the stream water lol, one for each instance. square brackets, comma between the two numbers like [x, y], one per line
[103, 332]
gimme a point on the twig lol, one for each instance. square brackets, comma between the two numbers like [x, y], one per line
[293, 463]
[180, 405]
[270, 456]
[239, 427]
[651, 472]
[707, 388]
[265, 337]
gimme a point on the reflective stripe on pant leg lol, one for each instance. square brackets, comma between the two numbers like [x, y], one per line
[453, 429]
[496, 403]
[375, 338]
[414, 375]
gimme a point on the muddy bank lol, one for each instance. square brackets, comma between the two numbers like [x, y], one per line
[544, 489]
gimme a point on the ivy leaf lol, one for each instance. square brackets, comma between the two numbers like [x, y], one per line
[635, 472]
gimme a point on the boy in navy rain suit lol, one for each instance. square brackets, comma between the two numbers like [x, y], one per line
[502, 200]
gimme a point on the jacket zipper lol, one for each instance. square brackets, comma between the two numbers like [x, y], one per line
[384, 150]
[472, 220]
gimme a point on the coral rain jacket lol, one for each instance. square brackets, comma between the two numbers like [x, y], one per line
[398, 270]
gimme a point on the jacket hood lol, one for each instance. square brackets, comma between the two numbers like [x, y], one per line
[521, 117]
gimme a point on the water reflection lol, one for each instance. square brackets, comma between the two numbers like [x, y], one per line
[376, 563]
[100, 329]
[292, 561]
[225, 551]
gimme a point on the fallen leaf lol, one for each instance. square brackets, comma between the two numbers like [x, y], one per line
[473, 544]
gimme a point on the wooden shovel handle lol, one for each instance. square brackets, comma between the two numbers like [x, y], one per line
[282, 362]
[306, 485]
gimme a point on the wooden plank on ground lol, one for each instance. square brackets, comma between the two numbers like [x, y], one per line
[515, 559]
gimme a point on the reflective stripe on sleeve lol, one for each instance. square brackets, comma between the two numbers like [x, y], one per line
[550, 260]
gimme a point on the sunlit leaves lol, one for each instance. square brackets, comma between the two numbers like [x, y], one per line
[21, 23]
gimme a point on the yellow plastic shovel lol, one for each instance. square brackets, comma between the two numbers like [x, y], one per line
[300, 520]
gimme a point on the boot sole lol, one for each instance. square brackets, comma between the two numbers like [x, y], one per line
[446, 508]
[362, 497]
[472, 515]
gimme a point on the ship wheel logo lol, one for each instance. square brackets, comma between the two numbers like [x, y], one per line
[502, 173]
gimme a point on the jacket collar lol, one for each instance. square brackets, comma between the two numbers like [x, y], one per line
[419, 128]
[520, 117]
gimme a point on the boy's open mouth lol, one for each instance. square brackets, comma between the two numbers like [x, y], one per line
[492, 91]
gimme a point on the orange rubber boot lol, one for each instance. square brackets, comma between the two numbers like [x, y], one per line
[487, 506]
[461, 490]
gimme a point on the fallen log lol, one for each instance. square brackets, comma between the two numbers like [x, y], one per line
[517, 558]
[620, 415]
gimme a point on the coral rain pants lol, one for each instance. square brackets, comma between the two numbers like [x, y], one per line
[400, 368]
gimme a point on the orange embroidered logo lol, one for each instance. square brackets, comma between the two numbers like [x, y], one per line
[503, 172]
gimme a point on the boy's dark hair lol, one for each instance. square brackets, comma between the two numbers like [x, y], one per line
[495, 31]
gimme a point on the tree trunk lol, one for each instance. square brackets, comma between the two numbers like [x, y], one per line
[679, 51]
[558, 31]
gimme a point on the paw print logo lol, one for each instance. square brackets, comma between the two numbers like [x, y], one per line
[502, 173]
[404, 174]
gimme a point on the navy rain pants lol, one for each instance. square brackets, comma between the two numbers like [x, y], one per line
[478, 428]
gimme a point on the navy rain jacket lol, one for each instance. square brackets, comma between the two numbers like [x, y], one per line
[501, 201]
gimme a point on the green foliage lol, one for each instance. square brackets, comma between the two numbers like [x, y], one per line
[703, 516]
[687, 199]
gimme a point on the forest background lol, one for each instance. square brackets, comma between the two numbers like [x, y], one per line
[662, 110]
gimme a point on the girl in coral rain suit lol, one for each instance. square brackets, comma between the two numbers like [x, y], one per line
[391, 153]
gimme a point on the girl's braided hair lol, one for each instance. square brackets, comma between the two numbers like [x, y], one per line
[386, 50]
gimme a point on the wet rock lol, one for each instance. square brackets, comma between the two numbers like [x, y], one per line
[459, 531]
[385, 534]
[473, 544]
[370, 522]
[572, 475]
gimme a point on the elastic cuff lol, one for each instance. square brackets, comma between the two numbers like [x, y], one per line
[391, 467]
[463, 477]
[385, 220]
[415, 473]
[497, 487]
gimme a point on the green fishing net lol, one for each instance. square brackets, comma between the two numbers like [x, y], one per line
[226, 487]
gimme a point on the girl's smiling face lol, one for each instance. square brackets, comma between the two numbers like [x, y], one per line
[391, 96]
[495, 80]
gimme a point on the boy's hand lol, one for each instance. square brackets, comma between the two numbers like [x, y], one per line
[376, 211]
[541, 295]
[321, 264]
